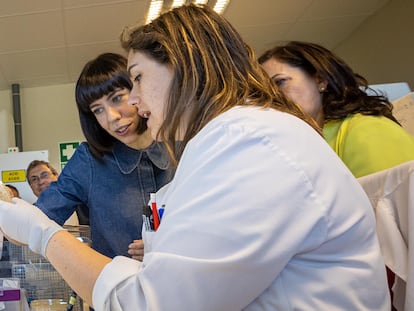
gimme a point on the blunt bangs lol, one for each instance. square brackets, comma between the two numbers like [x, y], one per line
[96, 86]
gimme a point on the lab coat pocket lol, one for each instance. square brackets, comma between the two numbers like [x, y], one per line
[147, 237]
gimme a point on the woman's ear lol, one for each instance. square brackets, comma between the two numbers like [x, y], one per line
[322, 85]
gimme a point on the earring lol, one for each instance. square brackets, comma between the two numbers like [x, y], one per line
[321, 89]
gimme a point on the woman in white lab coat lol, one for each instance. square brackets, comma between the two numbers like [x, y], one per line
[261, 213]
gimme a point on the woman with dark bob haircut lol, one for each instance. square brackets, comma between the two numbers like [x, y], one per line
[114, 172]
[100, 77]
[357, 121]
[260, 214]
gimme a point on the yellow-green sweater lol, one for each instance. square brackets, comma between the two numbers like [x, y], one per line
[368, 144]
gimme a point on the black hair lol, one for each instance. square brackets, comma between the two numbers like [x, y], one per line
[99, 77]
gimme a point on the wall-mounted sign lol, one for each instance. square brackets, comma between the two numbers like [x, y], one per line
[13, 176]
[13, 170]
[66, 150]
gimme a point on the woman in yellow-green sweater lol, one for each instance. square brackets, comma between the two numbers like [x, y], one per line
[358, 125]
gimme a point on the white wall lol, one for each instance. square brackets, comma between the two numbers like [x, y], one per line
[6, 130]
[49, 116]
[382, 49]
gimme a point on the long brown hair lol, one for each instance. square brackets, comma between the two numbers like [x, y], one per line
[213, 70]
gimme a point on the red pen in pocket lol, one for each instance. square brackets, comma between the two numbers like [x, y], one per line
[155, 216]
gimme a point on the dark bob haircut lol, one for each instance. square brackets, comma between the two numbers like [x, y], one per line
[99, 77]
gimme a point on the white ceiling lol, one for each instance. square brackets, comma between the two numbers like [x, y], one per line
[46, 42]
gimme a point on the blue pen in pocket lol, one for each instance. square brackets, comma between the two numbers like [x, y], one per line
[161, 211]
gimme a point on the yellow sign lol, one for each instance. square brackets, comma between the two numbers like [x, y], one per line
[13, 176]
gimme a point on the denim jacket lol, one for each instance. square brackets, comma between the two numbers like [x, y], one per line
[114, 189]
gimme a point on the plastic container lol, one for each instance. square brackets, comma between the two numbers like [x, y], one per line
[10, 295]
[48, 305]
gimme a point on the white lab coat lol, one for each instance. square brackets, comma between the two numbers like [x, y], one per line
[391, 192]
[261, 215]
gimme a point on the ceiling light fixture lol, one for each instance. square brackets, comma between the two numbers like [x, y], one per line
[177, 3]
[154, 10]
[160, 6]
[220, 6]
[200, 1]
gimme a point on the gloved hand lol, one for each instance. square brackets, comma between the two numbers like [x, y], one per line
[27, 224]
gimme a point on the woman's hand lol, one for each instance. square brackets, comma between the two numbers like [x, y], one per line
[25, 223]
[136, 250]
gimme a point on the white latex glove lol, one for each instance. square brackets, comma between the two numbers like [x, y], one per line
[27, 224]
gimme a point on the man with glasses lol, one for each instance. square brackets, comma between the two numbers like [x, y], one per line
[39, 175]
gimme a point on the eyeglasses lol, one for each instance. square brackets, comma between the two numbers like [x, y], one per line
[36, 179]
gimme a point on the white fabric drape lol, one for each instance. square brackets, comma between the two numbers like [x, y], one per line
[392, 195]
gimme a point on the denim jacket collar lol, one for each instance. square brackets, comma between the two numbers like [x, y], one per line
[128, 158]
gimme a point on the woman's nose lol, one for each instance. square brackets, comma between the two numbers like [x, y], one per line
[113, 114]
[133, 98]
